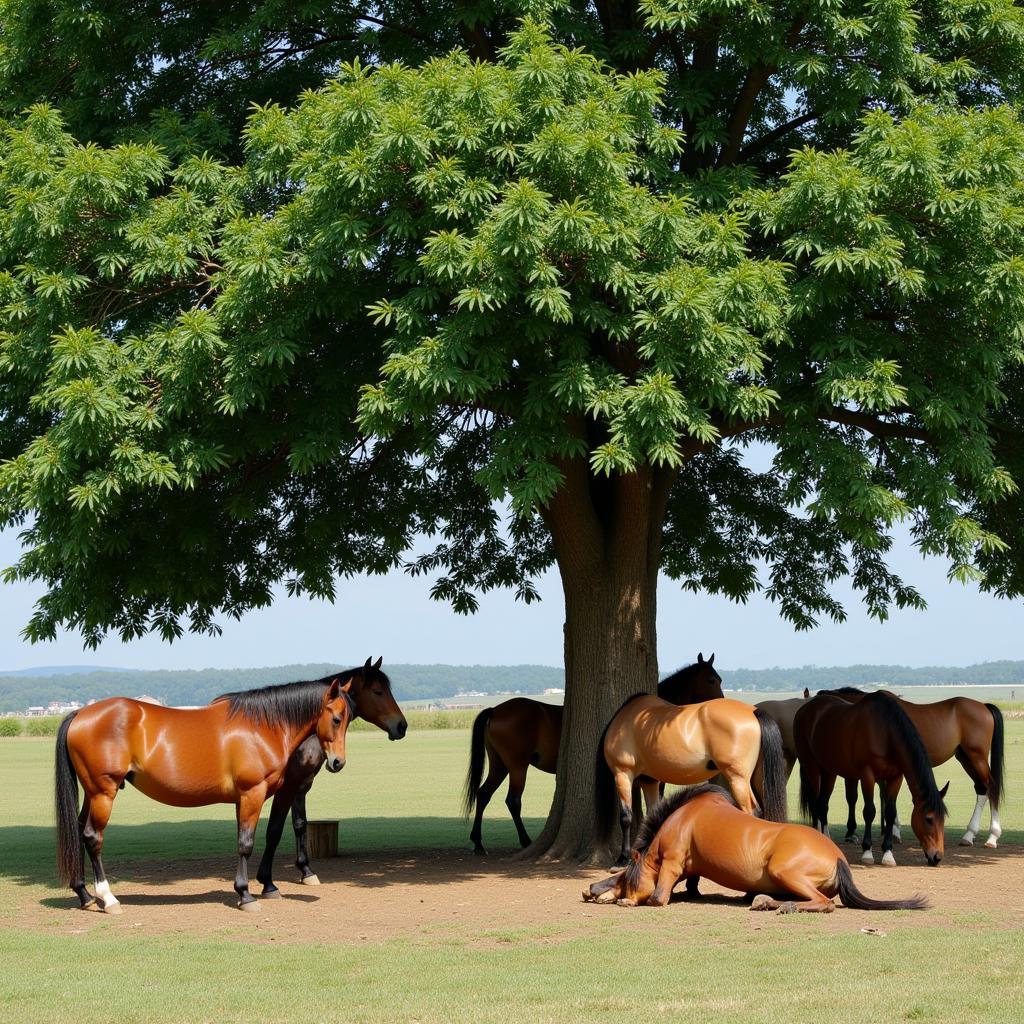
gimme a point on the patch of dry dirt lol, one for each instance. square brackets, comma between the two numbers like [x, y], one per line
[372, 899]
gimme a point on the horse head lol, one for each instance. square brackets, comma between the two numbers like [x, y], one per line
[375, 702]
[333, 722]
[929, 824]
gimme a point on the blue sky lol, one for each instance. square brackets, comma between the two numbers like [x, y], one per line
[393, 616]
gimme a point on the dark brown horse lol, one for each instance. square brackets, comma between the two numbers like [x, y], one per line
[700, 832]
[874, 742]
[521, 733]
[235, 751]
[372, 701]
[959, 727]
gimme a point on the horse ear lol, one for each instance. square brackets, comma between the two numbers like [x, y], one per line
[377, 663]
[807, 693]
[366, 667]
[944, 790]
[711, 660]
[348, 685]
[700, 658]
[333, 690]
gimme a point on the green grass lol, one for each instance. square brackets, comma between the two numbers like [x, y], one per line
[642, 966]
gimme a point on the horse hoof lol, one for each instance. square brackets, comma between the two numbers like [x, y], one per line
[867, 857]
[480, 852]
[852, 838]
[310, 880]
[252, 904]
[271, 894]
[761, 902]
[966, 842]
[91, 905]
[888, 859]
[990, 843]
[112, 908]
[588, 896]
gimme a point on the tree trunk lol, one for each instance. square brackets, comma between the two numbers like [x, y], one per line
[608, 555]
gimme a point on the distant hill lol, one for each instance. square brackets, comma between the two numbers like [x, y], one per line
[19, 690]
[45, 671]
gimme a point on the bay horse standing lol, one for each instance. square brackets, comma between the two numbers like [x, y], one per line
[520, 733]
[650, 741]
[373, 701]
[874, 742]
[959, 727]
[700, 832]
[234, 751]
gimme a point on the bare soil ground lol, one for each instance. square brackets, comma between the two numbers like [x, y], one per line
[373, 899]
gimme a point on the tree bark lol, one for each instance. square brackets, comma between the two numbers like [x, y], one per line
[607, 539]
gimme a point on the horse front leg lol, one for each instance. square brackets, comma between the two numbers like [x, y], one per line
[892, 789]
[851, 817]
[300, 822]
[247, 812]
[275, 829]
[868, 789]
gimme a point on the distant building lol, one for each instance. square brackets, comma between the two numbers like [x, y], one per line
[471, 693]
[549, 690]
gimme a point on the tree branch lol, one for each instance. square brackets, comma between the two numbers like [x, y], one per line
[776, 134]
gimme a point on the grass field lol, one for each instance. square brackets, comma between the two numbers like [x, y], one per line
[636, 966]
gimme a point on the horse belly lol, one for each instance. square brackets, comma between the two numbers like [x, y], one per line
[682, 768]
[195, 791]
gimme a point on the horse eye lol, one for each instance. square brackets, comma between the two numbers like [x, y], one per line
[378, 693]
[337, 720]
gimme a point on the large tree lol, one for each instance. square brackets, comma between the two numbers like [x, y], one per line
[529, 299]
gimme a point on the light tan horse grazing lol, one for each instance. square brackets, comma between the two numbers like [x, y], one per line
[700, 832]
[650, 741]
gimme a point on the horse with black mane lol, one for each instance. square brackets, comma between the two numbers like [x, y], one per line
[521, 733]
[700, 832]
[873, 742]
[374, 702]
[235, 751]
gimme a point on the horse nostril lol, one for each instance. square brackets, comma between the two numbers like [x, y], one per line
[403, 727]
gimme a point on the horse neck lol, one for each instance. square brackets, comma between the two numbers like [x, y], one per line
[908, 768]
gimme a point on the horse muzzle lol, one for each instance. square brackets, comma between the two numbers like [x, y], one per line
[398, 730]
[335, 764]
[933, 859]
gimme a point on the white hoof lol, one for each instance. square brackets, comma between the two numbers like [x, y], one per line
[888, 859]
[991, 843]
[867, 857]
[967, 841]
[310, 880]
[113, 907]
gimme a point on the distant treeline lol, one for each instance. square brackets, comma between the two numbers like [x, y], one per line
[428, 682]
[411, 682]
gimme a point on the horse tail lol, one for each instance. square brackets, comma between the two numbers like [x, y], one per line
[996, 757]
[604, 792]
[853, 898]
[806, 796]
[69, 839]
[477, 747]
[773, 768]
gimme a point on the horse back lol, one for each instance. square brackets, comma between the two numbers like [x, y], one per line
[526, 732]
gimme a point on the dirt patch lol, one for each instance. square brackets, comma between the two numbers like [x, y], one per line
[493, 899]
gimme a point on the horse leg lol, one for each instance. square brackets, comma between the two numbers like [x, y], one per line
[791, 880]
[300, 823]
[742, 791]
[275, 828]
[624, 788]
[825, 787]
[868, 789]
[250, 803]
[87, 899]
[851, 818]
[100, 806]
[514, 801]
[693, 887]
[978, 770]
[897, 836]
[652, 792]
[668, 874]
[496, 774]
[892, 789]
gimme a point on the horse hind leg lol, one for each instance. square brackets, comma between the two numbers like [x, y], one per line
[496, 775]
[300, 823]
[514, 802]
[978, 770]
[624, 789]
[78, 885]
[869, 810]
[275, 829]
[99, 807]
[792, 881]
[851, 817]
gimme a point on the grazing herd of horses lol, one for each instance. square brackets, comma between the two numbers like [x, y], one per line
[250, 746]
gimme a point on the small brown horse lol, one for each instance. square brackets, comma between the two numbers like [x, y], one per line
[959, 727]
[373, 701]
[235, 751]
[521, 733]
[873, 741]
[700, 832]
[650, 741]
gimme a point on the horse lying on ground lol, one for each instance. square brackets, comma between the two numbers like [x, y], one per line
[700, 832]
[234, 751]
[522, 733]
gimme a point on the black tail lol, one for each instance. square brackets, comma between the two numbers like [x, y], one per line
[69, 839]
[606, 801]
[853, 898]
[476, 760]
[807, 798]
[773, 768]
[996, 758]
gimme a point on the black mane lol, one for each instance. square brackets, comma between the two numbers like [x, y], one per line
[847, 690]
[681, 675]
[657, 817]
[294, 703]
[920, 764]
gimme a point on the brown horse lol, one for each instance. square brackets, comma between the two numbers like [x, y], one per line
[521, 732]
[650, 741]
[959, 727]
[700, 832]
[874, 742]
[373, 701]
[235, 751]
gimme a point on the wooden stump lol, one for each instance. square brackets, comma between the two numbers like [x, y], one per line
[322, 838]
